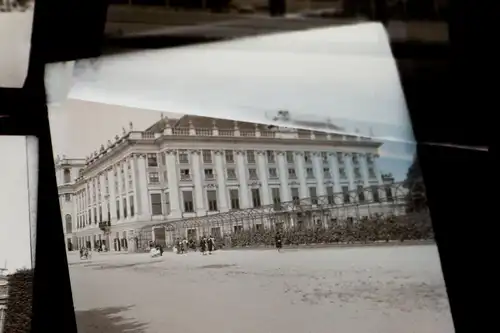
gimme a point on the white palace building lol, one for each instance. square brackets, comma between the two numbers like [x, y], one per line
[196, 166]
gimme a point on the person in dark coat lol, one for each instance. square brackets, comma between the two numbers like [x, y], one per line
[203, 245]
[278, 240]
[210, 244]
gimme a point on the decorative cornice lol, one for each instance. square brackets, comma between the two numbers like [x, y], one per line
[254, 183]
[280, 153]
[240, 152]
[332, 153]
[293, 183]
[219, 152]
[260, 152]
[299, 153]
[316, 153]
[171, 152]
[195, 151]
[211, 186]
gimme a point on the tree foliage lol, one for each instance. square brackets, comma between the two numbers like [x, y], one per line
[19, 302]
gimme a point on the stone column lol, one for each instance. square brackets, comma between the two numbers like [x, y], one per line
[263, 177]
[92, 202]
[127, 187]
[301, 175]
[334, 166]
[243, 179]
[318, 171]
[112, 193]
[133, 166]
[350, 170]
[364, 173]
[173, 183]
[104, 196]
[198, 182]
[283, 174]
[120, 188]
[221, 181]
[142, 180]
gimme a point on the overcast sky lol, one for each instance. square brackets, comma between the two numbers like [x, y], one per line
[80, 127]
[14, 204]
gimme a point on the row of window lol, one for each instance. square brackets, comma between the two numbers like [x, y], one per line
[209, 174]
[207, 157]
[95, 218]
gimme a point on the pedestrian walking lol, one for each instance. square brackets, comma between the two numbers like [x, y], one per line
[203, 245]
[211, 242]
[278, 241]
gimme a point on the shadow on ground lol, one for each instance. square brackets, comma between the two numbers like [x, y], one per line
[107, 320]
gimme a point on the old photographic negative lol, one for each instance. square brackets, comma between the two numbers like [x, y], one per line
[18, 196]
[241, 226]
[16, 21]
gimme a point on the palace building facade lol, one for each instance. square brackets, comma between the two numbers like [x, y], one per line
[197, 166]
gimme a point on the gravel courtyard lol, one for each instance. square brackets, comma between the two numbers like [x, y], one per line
[386, 289]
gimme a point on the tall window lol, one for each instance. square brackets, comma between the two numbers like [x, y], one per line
[273, 173]
[209, 174]
[125, 208]
[207, 156]
[229, 154]
[250, 156]
[183, 157]
[388, 194]
[100, 213]
[212, 200]
[324, 157]
[289, 157]
[326, 173]
[167, 203]
[235, 198]
[95, 215]
[256, 197]
[331, 197]
[185, 175]
[152, 160]
[231, 173]
[357, 173]
[118, 209]
[312, 194]
[295, 194]
[69, 224]
[67, 197]
[375, 195]
[252, 172]
[361, 193]
[340, 158]
[275, 193]
[371, 173]
[342, 173]
[163, 159]
[109, 213]
[156, 208]
[187, 197]
[154, 177]
[307, 157]
[90, 216]
[270, 156]
[310, 173]
[345, 194]
[291, 173]
[67, 176]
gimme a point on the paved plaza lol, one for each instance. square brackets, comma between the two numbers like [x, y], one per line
[371, 289]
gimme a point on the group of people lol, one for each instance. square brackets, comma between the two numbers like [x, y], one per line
[85, 253]
[207, 244]
[156, 250]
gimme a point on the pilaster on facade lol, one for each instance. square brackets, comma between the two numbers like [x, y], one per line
[318, 173]
[365, 175]
[262, 169]
[104, 196]
[112, 194]
[301, 174]
[243, 179]
[283, 174]
[142, 180]
[127, 189]
[221, 181]
[135, 188]
[350, 170]
[198, 182]
[334, 167]
[173, 183]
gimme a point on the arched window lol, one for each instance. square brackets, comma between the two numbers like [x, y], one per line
[69, 224]
[67, 176]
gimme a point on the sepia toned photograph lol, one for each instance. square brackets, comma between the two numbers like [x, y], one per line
[18, 194]
[16, 22]
[244, 226]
